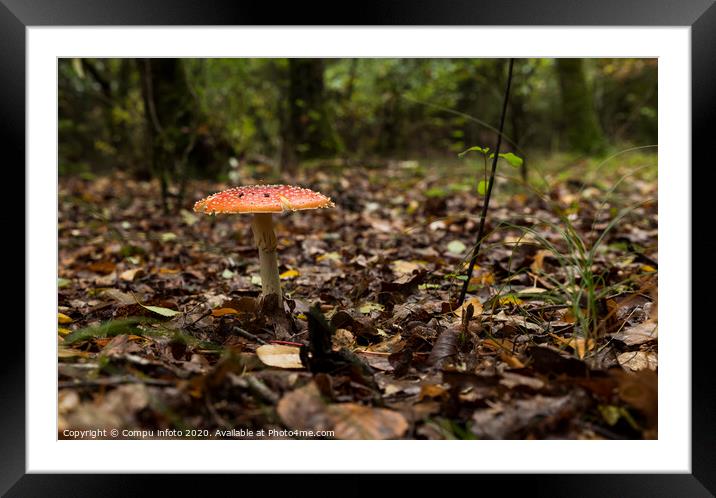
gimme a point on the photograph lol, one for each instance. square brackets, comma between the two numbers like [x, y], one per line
[357, 248]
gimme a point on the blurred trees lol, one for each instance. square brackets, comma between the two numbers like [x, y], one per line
[211, 113]
[170, 116]
[309, 132]
[578, 113]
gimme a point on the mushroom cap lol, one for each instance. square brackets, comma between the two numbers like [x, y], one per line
[262, 199]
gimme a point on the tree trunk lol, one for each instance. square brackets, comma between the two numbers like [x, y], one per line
[170, 116]
[583, 131]
[309, 130]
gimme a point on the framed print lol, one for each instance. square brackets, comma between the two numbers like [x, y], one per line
[258, 243]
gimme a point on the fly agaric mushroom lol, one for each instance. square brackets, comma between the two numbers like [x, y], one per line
[262, 201]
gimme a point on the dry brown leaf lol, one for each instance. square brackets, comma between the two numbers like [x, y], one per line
[353, 421]
[499, 344]
[511, 360]
[638, 334]
[119, 296]
[511, 419]
[304, 409]
[538, 261]
[476, 305]
[432, 391]
[578, 344]
[343, 338]
[515, 321]
[280, 355]
[391, 345]
[638, 360]
[640, 390]
[444, 348]
[120, 345]
[223, 311]
[130, 275]
[402, 268]
[102, 267]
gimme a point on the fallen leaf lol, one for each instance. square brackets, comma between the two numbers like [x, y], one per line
[444, 349]
[223, 311]
[496, 344]
[513, 419]
[119, 296]
[432, 391]
[476, 307]
[509, 299]
[551, 361]
[289, 274]
[511, 360]
[638, 334]
[391, 345]
[159, 310]
[538, 260]
[188, 218]
[103, 267]
[279, 355]
[342, 338]
[515, 321]
[72, 353]
[162, 311]
[305, 409]
[130, 275]
[367, 308]
[482, 277]
[331, 256]
[354, 421]
[402, 268]
[641, 391]
[243, 304]
[638, 360]
[62, 318]
[120, 345]
[579, 344]
[456, 247]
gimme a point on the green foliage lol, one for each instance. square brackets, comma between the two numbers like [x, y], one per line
[511, 158]
[482, 187]
[584, 286]
[369, 108]
[111, 328]
[477, 148]
[579, 116]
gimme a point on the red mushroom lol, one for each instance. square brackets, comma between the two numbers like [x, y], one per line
[262, 201]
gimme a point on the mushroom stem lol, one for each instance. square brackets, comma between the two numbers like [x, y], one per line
[265, 239]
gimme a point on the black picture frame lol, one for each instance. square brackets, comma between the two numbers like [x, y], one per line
[700, 15]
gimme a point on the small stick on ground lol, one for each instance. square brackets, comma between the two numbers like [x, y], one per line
[249, 335]
[256, 386]
[114, 381]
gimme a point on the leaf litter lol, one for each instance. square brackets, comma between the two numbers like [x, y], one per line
[161, 324]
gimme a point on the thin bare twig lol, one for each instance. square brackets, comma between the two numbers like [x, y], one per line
[114, 381]
[485, 205]
[249, 335]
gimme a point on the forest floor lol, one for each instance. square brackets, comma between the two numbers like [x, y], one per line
[160, 316]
